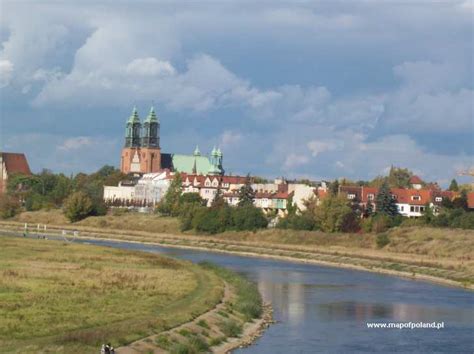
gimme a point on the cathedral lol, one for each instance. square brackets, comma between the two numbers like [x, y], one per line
[142, 152]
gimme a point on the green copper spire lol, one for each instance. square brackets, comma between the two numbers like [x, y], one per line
[134, 118]
[151, 130]
[151, 118]
[197, 152]
[132, 131]
[219, 152]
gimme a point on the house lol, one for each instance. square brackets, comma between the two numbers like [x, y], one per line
[411, 202]
[10, 164]
[416, 182]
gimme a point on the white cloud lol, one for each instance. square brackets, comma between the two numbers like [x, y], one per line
[150, 67]
[295, 160]
[229, 138]
[76, 143]
[317, 146]
[6, 72]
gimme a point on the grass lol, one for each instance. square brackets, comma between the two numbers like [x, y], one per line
[432, 251]
[56, 295]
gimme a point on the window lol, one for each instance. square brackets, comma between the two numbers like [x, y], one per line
[370, 196]
[402, 208]
[422, 209]
[412, 209]
[394, 196]
[439, 199]
[351, 196]
[415, 197]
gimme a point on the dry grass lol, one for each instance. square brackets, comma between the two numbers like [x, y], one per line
[445, 253]
[56, 295]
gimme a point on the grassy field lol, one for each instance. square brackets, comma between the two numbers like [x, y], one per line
[442, 253]
[63, 297]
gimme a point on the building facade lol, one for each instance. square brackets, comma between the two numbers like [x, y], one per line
[12, 163]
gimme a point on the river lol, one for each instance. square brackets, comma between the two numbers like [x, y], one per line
[322, 309]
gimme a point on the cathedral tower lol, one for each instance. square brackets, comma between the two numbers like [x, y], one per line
[141, 153]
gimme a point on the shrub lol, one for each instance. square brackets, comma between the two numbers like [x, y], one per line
[382, 240]
[199, 344]
[335, 214]
[203, 324]
[9, 206]
[231, 328]
[380, 223]
[248, 217]
[297, 222]
[78, 206]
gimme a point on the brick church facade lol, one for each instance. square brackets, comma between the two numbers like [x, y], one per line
[142, 154]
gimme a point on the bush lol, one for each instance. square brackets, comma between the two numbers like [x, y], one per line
[297, 222]
[9, 206]
[248, 217]
[382, 240]
[78, 206]
[230, 328]
[381, 223]
[335, 215]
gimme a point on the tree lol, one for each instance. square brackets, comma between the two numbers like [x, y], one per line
[385, 204]
[335, 214]
[248, 217]
[334, 188]
[170, 203]
[399, 177]
[218, 201]
[246, 193]
[369, 209]
[461, 201]
[453, 186]
[9, 206]
[78, 206]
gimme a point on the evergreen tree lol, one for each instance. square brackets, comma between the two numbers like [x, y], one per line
[246, 193]
[461, 201]
[369, 209]
[453, 186]
[386, 205]
[218, 201]
[334, 188]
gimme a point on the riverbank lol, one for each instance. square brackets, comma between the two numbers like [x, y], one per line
[439, 255]
[60, 296]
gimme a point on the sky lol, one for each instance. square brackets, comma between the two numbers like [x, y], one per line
[308, 89]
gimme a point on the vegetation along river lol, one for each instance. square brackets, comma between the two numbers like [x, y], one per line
[324, 309]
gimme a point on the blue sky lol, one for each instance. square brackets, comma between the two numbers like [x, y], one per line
[309, 89]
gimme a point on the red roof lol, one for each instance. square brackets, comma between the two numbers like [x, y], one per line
[415, 180]
[470, 200]
[411, 196]
[16, 163]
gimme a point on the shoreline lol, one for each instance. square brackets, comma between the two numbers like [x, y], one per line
[342, 265]
[383, 271]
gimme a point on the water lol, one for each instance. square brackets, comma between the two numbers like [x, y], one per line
[326, 310]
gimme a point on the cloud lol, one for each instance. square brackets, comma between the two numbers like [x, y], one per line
[317, 147]
[294, 160]
[229, 138]
[77, 143]
[6, 71]
[150, 67]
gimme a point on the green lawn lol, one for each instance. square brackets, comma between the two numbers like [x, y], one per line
[58, 296]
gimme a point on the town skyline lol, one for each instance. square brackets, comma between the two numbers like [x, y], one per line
[316, 91]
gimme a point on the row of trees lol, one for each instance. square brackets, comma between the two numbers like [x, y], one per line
[338, 214]
[193, 212]
[79, 196]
